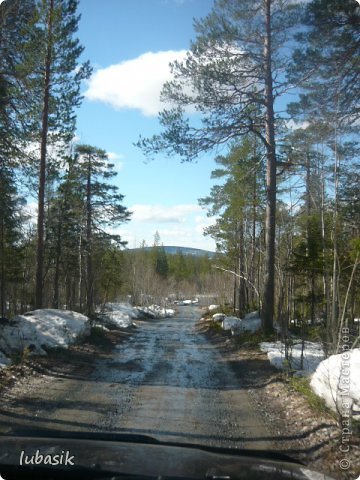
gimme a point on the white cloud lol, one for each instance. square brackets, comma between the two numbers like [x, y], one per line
[203, 222]
[297, 125]
[115, 159]
[134, 83]
[114, 156]
[182, 237]
[179, 225]
[162, 214]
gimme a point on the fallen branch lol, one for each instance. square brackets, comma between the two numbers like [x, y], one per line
[244, 278]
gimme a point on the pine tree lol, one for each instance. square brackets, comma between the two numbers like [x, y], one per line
[231, 78]
[236, 203]
[14, 19]
[102, 205]
[15, 76]
[53, 52]
[326, 67]
[10, 232]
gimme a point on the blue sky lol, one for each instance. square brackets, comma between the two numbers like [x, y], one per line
[129, 44]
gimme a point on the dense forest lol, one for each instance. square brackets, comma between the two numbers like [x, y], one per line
[275, 85]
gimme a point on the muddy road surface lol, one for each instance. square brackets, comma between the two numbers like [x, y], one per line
[165, 380]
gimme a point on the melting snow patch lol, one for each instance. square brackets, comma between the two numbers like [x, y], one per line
[155, 311]
[120, 315]
[125, 308]
[251, 323]
[230, 323]
[218, 317]
[213, 307]
[313, 354]
[4, 361]
[337, 381]
[41, 329]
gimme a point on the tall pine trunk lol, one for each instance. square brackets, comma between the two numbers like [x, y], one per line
[42, 169]
[242, 288]
[57, 259]
[89, 273]
[270, 221]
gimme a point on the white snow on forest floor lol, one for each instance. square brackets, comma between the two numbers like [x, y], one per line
[38, 330]
[337, 381]
[313, 354]
[155, 311]
[122, 315]
[250, 323]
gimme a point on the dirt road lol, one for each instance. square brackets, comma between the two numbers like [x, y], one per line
[166, 380]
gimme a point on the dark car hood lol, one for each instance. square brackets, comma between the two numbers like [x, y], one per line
[100, 455]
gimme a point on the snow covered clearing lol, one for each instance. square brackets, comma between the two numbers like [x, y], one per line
[42, 329]
[313, 354]
[337, 381]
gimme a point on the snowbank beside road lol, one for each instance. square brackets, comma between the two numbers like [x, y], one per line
[337, 381]
[313, 354]
[122, 315]
[155, 311]
[251, 323]
[231, 323]
[42, 329]
[4, 361]
[213, 307]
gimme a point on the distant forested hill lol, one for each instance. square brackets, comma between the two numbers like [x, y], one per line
[172, 250]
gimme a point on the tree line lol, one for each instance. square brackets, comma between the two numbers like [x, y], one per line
[64, 261]
[275, 86]
[69, 258]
